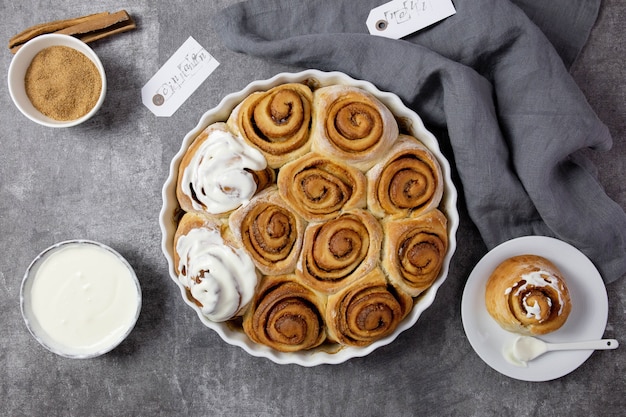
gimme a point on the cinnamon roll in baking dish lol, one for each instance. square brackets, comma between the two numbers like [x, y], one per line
[218, 277]
[319, 188]
[527, 294]
[407, 181]
[277, 122]
[366, 310]
[286, 315]
[216, 175]
[414, 249]
[339, 251]
[352, 125]
[269, 231]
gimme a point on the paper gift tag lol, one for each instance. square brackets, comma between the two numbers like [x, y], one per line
[399, 18]
[178, 78]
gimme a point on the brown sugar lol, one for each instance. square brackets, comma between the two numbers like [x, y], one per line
[63, 83]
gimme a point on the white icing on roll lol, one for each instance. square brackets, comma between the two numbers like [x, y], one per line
[216, 179]
[220, 277]
[538, 279]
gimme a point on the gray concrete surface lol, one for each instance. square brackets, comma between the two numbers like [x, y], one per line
[103, 180]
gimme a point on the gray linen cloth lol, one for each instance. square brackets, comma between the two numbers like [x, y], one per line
[492, 86]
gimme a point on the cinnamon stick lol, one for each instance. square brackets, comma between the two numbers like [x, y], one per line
[86, 28]
[50, 27]
[94, 36]
[96, 24]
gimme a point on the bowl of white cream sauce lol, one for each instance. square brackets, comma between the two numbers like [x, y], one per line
[80, 299]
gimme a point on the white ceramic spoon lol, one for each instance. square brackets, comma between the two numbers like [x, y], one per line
[527, 348]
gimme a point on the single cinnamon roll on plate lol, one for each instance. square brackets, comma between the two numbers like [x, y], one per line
[527, 294]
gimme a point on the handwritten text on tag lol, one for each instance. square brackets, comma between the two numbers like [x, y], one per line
[178, 78]
[399, 18]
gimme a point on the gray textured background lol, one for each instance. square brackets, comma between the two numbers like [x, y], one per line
[103, 180]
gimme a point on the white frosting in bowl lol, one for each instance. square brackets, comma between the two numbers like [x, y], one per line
[80, 299]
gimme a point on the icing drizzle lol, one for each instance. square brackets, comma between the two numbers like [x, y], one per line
[217, 178]
[221, 278]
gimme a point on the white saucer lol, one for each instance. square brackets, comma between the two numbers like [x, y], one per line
[586, 321]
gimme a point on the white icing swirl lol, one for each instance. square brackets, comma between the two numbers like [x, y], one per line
[538, 279]
[220, 277]
[216, 179]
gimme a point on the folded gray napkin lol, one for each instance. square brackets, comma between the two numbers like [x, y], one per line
[493, 88]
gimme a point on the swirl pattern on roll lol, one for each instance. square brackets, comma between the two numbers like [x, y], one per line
[285, 315]
[414, 250]
[318, 188]
[352, 125]
[340, 251]
[277, 122]
[408, 181]
[367, 310]
[269, 231]
[527, 294]
[218, 277]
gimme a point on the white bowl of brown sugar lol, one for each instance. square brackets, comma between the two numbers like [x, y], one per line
[57, 81]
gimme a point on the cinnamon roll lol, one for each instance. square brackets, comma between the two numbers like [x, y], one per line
[219, 278]
[277, 122]
[215, 175]
[414, 250]
[340, 251]
[527, 294]
[367, 310]
[269, 231]
[408, 181]
[285, 315]
[319, 188]
[352, 125]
